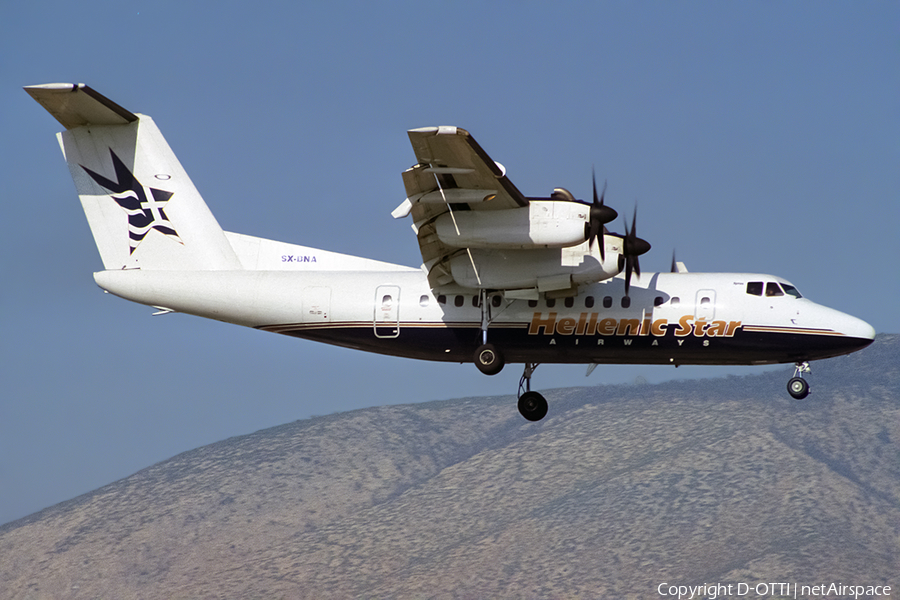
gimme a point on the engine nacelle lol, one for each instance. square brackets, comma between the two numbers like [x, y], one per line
[541, 224]
[543, 269]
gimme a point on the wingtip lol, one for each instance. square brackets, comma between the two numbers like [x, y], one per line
[55, 87]
[440, 130]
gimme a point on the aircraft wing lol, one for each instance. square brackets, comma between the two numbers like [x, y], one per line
[453, 174]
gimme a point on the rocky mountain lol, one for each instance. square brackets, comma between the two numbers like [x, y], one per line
[620, 489]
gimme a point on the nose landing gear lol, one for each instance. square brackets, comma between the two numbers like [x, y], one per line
[797, 387]
[532, 405]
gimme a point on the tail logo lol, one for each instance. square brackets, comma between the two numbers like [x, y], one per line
[145, 205]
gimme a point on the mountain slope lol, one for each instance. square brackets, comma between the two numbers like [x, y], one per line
[619, 489]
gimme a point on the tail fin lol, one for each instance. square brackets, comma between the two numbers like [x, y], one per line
[142, 207]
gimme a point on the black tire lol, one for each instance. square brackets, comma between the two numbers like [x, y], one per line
[798, 388]
[488, 359]
[533, 406]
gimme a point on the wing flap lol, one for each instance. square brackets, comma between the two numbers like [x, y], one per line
[76, 105]
[452, 173]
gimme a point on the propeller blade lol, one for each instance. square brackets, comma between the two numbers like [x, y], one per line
[629, 265]
[594, 230]
[633, 247]
[600, 214]
[603, 193]
[628, 268]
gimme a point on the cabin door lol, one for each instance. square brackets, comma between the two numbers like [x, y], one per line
[387, 311]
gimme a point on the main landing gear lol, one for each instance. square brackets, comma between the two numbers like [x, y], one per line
[532, 405]
[490, 361]
[488, 358]
[797, 386]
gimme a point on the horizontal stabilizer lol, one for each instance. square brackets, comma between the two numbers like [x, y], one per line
[76, 105]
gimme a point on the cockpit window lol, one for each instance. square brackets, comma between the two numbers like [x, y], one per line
[772, 289]
[791, 290]
[754, 288]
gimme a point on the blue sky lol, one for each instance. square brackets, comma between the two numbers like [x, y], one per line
[759, 137]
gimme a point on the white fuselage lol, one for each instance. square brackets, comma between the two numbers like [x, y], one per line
[670, 318]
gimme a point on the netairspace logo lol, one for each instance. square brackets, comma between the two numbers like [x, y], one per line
[711, 591]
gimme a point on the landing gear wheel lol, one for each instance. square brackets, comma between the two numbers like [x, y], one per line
[798, 388]
[488, 359]
[533, 406]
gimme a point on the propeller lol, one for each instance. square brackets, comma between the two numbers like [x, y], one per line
[674, 264]
[633, 247]
[600, 215]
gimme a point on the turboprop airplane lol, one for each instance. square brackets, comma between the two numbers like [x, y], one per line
[505, 278]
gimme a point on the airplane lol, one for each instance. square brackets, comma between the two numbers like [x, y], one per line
[505, 278]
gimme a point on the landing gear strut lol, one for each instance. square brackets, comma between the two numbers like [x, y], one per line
[488, 358]
[797, 386]
[532, 405]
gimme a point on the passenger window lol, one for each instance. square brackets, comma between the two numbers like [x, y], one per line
[704, 301]
[476, 301]
[495, 300]
[386, 302]
[442, 299]
[459, 300]
[658, 301]
[589, 302]
[754, 288]
[532, 303]
[569, 302]
[423, 301]
[791, 290]
[607, 302]
[626, 302]
[772, 289]
[675, 301]
[551, 302]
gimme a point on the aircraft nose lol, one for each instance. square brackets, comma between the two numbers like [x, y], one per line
[857, 329]
[841, 333]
